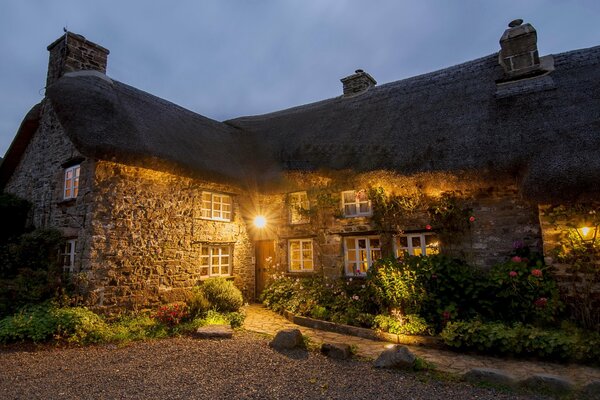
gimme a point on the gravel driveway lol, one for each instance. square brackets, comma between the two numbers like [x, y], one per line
[185, 368]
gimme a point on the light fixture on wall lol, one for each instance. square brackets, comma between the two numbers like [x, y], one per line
[260, 221]
[588, 233]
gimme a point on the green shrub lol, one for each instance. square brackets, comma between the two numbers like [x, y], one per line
[222, 294]
[197, 303]
[44, 322]
[407, 325]
[524, 340]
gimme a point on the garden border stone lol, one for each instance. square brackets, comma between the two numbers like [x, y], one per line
[547, 383]
[214, 332]
[591, 391]
[338, 351]
[414, 340]
[490, 375]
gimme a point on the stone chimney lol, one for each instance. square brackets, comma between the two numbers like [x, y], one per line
[73, 52]
[357, 83]
[518, 50]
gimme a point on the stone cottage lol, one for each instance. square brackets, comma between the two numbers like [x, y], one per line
[153, 198]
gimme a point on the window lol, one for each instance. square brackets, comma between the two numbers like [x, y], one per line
[356, 203]
[215, 261]
[216, 206]
[298, 206]
[71, 187]
[68, 255]
[360, 253]
[300, 255]
[416, 244]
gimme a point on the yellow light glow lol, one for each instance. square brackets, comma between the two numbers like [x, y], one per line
[584, 232]
[260, 221]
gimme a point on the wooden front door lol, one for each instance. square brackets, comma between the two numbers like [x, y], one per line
[265, 259]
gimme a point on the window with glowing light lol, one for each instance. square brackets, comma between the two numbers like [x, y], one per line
[360, 253]
[356, 203]
[71, 182]
[417, 244]
[300, 252]
[215, 261]
[216, 206]
[299, 204]
[68, 256]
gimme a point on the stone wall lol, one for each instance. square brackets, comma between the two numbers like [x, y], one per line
[147, 234]
[501, 216]
[39, 178]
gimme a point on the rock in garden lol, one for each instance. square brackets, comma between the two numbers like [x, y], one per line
[214, 332]
[490, 375]
[339, 351]
[548, 383]
[591, 391]
[396, 357]
[287, 339]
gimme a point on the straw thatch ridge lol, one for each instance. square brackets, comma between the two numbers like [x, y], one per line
[543, 130]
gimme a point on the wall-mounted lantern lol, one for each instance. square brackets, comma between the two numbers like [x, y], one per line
[588, 233]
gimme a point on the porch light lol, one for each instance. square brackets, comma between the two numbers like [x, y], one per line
[260, 221]
[588, 234]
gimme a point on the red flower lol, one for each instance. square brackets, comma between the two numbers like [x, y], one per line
[471, 219]
[446, 315]
[541, 302]
[516, 259]
[433, 276]
[537, 273]
[512, 274]
[428, 227]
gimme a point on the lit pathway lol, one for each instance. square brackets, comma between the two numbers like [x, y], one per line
[259, 319]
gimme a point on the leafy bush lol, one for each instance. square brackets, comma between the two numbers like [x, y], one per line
[44, 322]
[222, 294]
[197, 303]
[520, 291]
[524, 340]
[407, 325]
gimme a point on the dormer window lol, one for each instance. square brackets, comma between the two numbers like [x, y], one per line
[299, 207]
[71, 182]
[216, 206]
[356, 203]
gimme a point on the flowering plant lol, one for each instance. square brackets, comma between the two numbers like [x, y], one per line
[171, 314]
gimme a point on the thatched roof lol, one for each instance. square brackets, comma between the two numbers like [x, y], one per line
[544, 130]
[107, 119]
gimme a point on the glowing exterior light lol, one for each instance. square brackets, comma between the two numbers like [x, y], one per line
[584, 231]
[260, 221]
[588, 234]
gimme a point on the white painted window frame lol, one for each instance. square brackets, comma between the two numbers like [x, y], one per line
[298, 200]
[356, 203]
[216, 251]
[304, 244]
[68, 255]
[410, 249]
[369, 250]
[213, 209]
[71, 182]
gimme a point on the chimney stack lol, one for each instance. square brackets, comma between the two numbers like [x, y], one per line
[73, 52]
[518, 50]
[357, 83]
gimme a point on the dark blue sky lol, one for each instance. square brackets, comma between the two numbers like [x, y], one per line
[225, 59]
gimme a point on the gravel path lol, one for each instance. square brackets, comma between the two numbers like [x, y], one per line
[184, 368]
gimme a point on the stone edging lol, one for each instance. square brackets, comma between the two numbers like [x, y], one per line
[415, 340]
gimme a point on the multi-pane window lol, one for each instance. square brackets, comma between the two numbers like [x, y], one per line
[356, 203]
[360, 253]
[416, 244]
[216, 206]
[68, 255]
[301, 255]
[299, 206]
[215, 261]
[71, 183]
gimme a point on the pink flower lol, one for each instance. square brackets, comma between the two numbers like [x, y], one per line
[428, 227]
[471, 219]
[516, 259]
[446, 315]
[541, 302]
[512, 274]
[537, 273]
[433, 276]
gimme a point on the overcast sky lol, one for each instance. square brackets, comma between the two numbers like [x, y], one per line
[225, 59]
